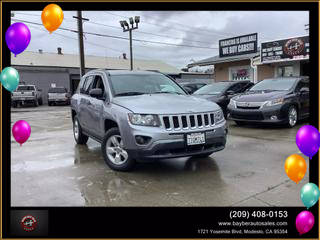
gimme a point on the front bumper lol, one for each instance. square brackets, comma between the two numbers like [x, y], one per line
[274, 114]
[166, 144]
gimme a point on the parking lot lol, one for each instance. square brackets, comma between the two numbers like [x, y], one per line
[51, 170]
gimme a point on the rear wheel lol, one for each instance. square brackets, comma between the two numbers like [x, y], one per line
[77, 132]
[114, 154]
[40, 101]
[292, 116]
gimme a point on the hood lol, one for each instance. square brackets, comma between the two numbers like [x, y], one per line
[259, 96]
[210, 97]
[165, 104]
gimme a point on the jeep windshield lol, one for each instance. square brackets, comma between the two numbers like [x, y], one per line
[212, 89]
[26, 88]
[138, 84]
[275, 84]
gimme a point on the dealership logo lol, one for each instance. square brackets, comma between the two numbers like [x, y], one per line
[294, 47]
[28, 223]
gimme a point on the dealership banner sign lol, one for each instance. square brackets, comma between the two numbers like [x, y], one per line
[286, 49]
[238, 45]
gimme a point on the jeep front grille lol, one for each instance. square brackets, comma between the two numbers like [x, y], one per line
[187, 121]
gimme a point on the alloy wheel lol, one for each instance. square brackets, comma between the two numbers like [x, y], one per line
[115, 151]
[293, 116]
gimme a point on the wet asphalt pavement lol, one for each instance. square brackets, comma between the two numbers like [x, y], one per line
[51, 170]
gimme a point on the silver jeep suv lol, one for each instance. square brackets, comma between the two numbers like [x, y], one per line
[143, 116]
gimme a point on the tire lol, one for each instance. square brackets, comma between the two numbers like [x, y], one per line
[118, 158]
[205, 155]
[40, 102]
[292, 116]
[36, 103]
[79, 137]
[240, 123]
[14, 105]
[49, 104]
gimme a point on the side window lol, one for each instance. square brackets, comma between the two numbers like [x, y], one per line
[87, 84]
[302, 84]
[98, 83]
[236, 87]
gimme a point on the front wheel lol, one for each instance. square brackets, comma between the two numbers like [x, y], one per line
[36, 103]
[114, 154]
[292, 116]
[77, 132]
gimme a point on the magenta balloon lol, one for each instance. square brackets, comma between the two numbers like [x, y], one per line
[307, 140]
[304, 222]
[18, 37]
[21, 131]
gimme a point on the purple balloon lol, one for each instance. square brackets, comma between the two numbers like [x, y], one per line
[304, 222]
[21, 131]
[308, 140]
[18, 37]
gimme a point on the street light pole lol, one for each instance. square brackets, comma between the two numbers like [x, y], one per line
[131, 60]
[127, 28]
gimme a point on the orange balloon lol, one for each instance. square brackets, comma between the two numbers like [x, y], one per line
[52, 17]
[295, 167]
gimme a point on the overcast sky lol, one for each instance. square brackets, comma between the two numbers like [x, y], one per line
[200, 28]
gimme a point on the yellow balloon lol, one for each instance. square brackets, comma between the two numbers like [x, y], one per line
[295, 167]
[52, 17]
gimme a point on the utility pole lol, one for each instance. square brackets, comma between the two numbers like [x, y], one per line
[126, 28]
[80, 37]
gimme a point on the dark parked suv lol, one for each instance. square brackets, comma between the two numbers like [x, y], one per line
[222, 92]
[278, 100]
[142, 115]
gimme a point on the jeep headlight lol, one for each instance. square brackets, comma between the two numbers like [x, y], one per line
[274, 102]
[144, 119]
[218, 116]
[233, 103]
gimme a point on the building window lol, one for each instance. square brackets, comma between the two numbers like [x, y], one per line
[240, 73]
[285, 71]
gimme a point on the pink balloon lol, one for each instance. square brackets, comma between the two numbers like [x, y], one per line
[21, 131]
[304, 222]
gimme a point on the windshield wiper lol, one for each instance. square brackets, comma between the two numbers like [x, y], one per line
[165, 92]
[129, 94]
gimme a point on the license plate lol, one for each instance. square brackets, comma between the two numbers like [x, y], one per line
[23, 99]
[196, 138]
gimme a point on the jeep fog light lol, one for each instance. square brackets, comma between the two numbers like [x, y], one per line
[274, 117]
[142, 140]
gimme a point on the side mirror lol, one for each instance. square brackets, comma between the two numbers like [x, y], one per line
[230, 92]
[96, 93]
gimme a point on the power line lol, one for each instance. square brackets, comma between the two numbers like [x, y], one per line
[154, 34]
[114, 27]
[86, 41]
[124, 38]
[171, 27]
[194, 30]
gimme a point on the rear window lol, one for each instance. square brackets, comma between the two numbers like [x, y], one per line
[57, 90]
[26, 88]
